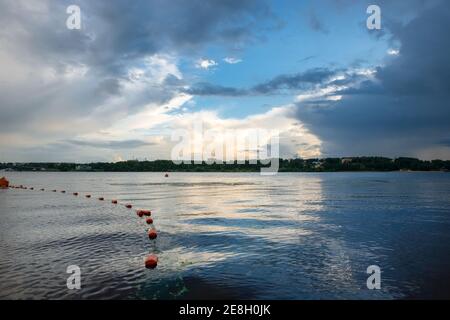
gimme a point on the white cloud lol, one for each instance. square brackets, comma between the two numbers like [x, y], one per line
[206, 63]
[393, 52]
[232, 60]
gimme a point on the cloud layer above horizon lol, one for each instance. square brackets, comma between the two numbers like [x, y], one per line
[136, 71]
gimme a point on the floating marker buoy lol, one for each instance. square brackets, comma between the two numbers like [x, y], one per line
[149, 220]
[4, 183]
[88, 196]
[75, 193]
[151, 261]
[147, 213]
[63, 191]
[140, 213]
[152, 234]
[129, 206]
[166, 175]
[101, 198]
[114, 201]
[53, 190]
[42, 189]
[31, 188]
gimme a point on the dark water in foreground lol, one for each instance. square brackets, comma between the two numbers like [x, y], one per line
[293, 236]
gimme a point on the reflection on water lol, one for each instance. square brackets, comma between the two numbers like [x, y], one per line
[292, 236]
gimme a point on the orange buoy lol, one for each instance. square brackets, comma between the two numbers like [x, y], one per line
[4, 183]
[149, 220]
[152, 234]
[151, 261]
[88, 196]
[114, 202]
[101, 198]
[75, 193]
[129, 206]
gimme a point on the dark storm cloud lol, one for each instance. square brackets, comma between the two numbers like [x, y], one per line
[114, 34]
[115, 37]
[208, 89]
[285, 82]
[132, 29]
[406, 109]
[296, 81]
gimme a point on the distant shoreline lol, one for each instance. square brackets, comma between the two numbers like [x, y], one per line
[162, 172]
[349, 164]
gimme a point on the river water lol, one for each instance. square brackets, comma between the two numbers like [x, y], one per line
[227, 235]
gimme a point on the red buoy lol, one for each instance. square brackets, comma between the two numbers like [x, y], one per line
[151, 261]
[152, 234]
[88, 196]
[147, 213]
[75, 193]
[149, 220]
[114, 201]
[139, 213]
[101, 198]
[4, 183]
[129, 206]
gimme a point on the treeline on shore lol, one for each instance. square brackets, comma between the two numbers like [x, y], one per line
[285, 165]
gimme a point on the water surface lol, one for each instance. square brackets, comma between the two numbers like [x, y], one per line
[227, 235]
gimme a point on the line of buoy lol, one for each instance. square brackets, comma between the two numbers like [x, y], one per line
[151, 261]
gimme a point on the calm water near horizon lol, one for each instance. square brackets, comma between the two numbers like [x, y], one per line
[227, 235]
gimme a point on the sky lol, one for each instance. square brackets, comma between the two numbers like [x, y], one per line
[117, 88]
